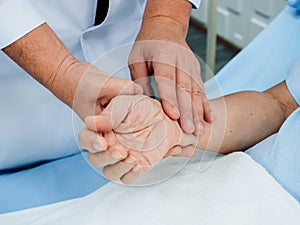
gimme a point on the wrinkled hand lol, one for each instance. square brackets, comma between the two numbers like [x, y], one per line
[176, 72]
[137, 135]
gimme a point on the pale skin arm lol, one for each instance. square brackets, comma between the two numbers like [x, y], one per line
[250, 117]
[78, 84]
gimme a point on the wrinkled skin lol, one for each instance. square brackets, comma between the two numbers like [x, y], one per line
[145, 130]
[137, 128]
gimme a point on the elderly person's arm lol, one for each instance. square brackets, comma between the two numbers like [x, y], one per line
[78, 84]
[241, 120]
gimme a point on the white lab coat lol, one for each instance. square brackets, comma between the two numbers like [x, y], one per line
[34, 124]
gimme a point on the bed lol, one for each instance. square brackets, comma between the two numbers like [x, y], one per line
[263, 63]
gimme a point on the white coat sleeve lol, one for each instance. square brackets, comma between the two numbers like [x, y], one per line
[196, 3]
[18, 17]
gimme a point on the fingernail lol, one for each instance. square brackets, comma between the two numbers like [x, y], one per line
[200, 128]
[98, 147]
[190, 124]
[136, 169]
[116, 155]
[176, 111]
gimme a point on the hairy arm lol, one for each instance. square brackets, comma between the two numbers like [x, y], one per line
[80, 85]
[45, 58]
[173, 11]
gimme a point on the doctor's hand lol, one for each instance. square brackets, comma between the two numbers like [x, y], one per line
[94, 89]
[161, 49]
[80, 85]
[137, 135]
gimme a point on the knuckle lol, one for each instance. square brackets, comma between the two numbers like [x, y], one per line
[198, 92]
[186, 112]
[198, 112]
[93, 160]
[185, 86]
[162, 75]
[183, 90]
[81, 138]
[110, 174]
[198, 108]
[128, 179]
[106, 173]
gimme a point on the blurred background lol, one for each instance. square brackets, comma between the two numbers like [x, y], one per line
[219, 29]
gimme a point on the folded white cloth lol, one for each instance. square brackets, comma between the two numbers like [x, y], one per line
[232, 190]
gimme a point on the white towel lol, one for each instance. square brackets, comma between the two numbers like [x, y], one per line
[234, 190]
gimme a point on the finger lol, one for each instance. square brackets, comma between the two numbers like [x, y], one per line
[91, 141]
[197, 96]
[207, 110]
[99, 123]
[110, 117]
[116, 171]
[184, 91]
[165, 77]
[112, 156]
[139, 70]
[204, 112]
[116, 86]
[125, 87]
[132, 176]
[188, 151]
[174, 151]
[140, 74]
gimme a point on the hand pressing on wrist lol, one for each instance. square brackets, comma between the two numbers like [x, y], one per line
[88, 90]
[137, 135]
[161, 50]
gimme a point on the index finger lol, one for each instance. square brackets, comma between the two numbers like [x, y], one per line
[165, 77]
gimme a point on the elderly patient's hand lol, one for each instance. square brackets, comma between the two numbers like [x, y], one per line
[137, 135]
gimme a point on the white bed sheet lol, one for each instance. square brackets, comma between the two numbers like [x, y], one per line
[233, 190]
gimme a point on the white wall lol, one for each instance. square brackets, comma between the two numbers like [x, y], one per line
[239, 21]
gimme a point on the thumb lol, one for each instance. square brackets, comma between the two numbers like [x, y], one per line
[112, 116]
[99, 123]
[118, 86]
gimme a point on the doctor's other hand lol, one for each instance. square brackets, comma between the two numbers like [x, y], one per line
[95, 89]
[161, 49]
[136, 135]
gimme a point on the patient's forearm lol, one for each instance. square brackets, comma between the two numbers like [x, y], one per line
[245, 118]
